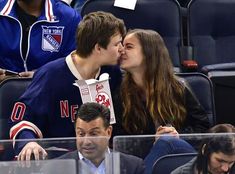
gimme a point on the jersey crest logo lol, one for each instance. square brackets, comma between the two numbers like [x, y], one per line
[52, 38]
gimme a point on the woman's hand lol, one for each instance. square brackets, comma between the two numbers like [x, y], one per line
[27, 74]
[2, 74]
[166, 130]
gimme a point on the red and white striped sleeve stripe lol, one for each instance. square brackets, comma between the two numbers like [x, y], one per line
[7, 9]
[14, 131]
[49, 11]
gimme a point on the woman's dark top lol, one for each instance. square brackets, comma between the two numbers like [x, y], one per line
[196, 119]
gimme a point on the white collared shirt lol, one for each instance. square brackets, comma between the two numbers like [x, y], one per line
[90, 166]
[73, 69]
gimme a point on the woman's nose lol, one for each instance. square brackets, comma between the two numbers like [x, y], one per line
[121, 49]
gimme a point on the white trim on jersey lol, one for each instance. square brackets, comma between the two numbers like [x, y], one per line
[73, 69]
[14, 131]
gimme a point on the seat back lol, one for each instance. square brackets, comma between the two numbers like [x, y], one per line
[163, 16]
[202, 87]
[183, 3]
[168, 163]
[211, 31]
[10, 90]
[224, 92]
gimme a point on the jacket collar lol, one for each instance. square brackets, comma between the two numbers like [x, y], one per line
[47, 13]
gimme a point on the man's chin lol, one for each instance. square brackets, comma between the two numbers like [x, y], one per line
[219, 172]
[115, 62]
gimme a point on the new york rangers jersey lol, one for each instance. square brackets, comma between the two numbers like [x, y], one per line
[52, 36]
[48, 107]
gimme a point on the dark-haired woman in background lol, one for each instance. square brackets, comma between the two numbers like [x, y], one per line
[216, 154]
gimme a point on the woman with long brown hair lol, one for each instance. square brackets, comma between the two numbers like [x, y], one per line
[152, 96]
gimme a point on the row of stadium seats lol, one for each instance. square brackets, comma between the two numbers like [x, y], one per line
[165, 17]
[164, 11]
[200, 37]
[204, 31]
[11, 89]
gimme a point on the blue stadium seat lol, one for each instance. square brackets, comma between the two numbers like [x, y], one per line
[224, 93]
[202, 87]
[183, 3]
[211, 33]
[10, 90]
[163, 16]
[168, 163]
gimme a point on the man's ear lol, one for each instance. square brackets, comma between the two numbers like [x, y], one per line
[97, 48]
[109, 130]
[203, 149]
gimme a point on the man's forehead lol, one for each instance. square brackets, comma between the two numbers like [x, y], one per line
[116, 36]
[98, 122]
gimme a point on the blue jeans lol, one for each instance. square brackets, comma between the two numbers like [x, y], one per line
[166, 145]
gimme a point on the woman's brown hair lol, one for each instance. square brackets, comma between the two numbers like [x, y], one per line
[164, 93]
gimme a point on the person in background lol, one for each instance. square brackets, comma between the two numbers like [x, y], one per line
[67, 1]
[33, 33]
[48, 106]
[93, 131]
[77, 4]
[216, 154]
[154, 100]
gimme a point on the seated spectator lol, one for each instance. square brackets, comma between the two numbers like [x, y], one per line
[216, 154]
[155, 101]
[77, 4]
[67, 1]
[34, 33]
[92, 122]
[48, 107]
